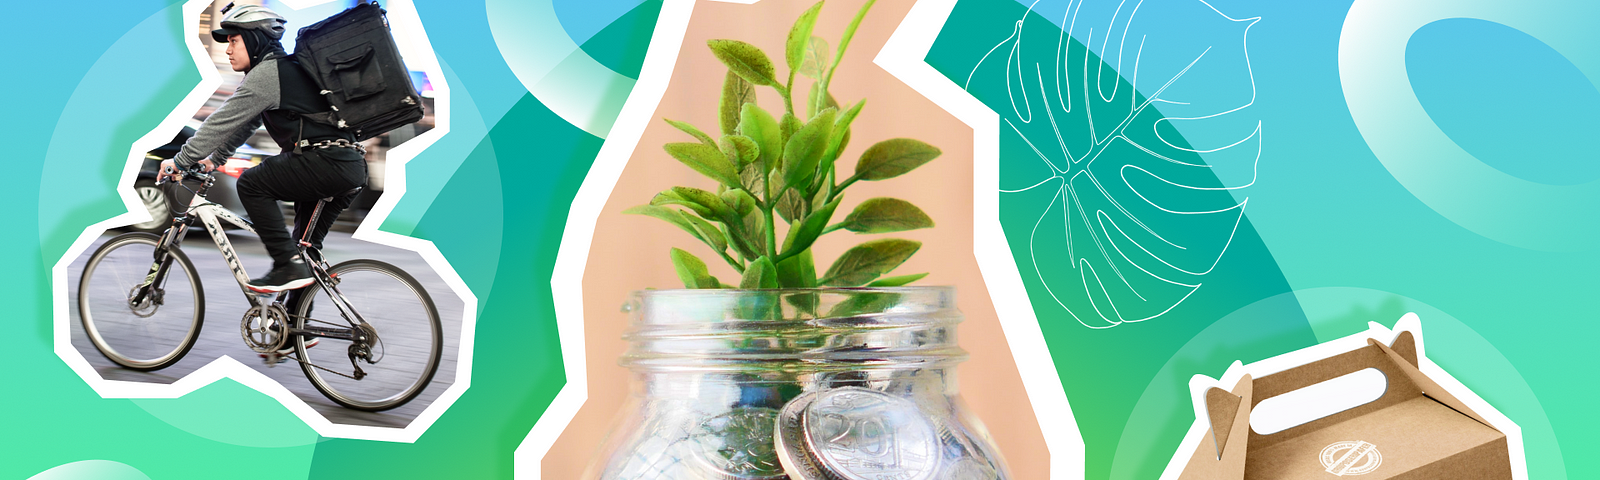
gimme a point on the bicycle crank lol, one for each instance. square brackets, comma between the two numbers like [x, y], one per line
[265, 328]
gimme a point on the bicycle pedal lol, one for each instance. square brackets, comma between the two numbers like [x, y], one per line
[273, 359]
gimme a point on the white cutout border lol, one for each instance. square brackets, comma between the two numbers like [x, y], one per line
[1408, 323]
[403, 19]
[566, 283]
[902, 57]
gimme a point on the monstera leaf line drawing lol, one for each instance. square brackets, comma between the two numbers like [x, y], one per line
[1137, 213]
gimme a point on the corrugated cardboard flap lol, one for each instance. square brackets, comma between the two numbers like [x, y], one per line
[1222, 455]
[1406, 344]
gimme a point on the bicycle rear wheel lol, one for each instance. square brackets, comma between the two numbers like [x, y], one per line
[157, 329]
[410, 338]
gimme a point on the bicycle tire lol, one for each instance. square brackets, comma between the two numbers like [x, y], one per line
[395, 304]
[123, 334]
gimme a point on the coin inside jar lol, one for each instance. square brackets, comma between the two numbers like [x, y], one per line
[737, 445]
[861, 434]
[797, 460]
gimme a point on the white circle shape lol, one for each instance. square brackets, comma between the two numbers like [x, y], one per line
[1424, 160]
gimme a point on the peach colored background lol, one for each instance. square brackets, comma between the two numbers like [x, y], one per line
[630, 252]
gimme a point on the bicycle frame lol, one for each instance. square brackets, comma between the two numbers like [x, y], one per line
[211, 215]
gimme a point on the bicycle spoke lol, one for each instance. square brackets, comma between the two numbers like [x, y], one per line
[398, 323]
[154, 332]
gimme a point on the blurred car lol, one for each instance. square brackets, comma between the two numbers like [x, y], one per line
[160, 200]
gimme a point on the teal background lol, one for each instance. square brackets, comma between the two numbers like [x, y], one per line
[492, 195]
[1330, 240]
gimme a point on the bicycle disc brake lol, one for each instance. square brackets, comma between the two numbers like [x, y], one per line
[143, 300]
[265, 329]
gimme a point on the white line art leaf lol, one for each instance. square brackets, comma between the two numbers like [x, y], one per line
[1126, 140]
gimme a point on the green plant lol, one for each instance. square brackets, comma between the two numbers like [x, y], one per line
[770, 168]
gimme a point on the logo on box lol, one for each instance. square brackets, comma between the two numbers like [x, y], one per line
[1351, 458]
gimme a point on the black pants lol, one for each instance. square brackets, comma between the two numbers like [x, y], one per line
[303, 179]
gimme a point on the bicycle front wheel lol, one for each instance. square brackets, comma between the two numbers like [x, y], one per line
[409, 338]
[140, 327]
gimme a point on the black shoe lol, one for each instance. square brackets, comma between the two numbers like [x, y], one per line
[288, 276]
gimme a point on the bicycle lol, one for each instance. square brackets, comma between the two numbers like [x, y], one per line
[131, 300]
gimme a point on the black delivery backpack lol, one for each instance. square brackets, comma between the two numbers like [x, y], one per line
[352, 57]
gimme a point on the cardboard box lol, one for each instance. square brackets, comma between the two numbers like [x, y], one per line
[1401, 425]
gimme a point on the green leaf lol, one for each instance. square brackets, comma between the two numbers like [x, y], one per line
[816, 58]
[736, 92]
[709, 233]
[841, 131]
[760, 274]
[787, 125]
[885, 215]
[815, 103]
[745, 60]
[799, 35]
[894, 157]
[740, 148]
[756, 123]
[739, 200]
[691, 270]
[798, 271]
[720, 211]
[867, 261]
[669, 197]
[865, 303]
[750, 178]
[689, 129]
[755, 225]
[800, 238]
[804, 150]
[849, 33]
[897, 281]
[791, 205]
[671, 216]
[817, 201]
[706, 159]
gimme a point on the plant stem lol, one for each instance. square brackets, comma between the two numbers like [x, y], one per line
[772, 235]
[842, 186]
[832, 228]
[788, 98]
[734, 263]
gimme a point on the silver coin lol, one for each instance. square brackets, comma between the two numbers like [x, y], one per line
[861, 434]
[797, 460]
[737, 445]
[971, 469]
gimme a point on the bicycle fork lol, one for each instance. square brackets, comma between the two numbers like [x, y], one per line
[161, 264]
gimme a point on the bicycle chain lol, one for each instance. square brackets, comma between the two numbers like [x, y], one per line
[303, 362]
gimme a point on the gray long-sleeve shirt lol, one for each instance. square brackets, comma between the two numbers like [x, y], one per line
[239, 117]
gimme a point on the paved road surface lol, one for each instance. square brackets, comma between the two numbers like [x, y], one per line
[225, 305]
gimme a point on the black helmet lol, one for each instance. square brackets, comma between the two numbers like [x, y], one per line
[248, 17]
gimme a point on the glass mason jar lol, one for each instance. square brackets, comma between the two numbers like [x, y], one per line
[798, 384]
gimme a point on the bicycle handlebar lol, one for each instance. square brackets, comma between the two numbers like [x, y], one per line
[191, 173]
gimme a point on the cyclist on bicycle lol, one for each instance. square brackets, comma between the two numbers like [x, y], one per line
[318, 160]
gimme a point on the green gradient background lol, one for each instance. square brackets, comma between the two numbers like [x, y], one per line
[1332, 241]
